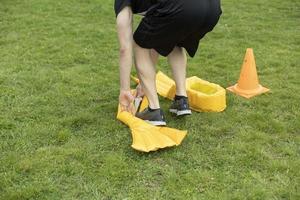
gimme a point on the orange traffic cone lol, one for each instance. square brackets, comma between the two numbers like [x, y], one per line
[248, 85]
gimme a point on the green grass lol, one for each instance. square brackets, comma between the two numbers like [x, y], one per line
[59, 138]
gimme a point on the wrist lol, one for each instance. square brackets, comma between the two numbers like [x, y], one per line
[124, 80]
[125, 85]
[124, 89]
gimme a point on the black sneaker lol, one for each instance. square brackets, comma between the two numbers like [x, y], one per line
[155, 117]
[180, 107]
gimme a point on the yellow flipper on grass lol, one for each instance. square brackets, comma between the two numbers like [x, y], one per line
[203, 95]
[146, 137]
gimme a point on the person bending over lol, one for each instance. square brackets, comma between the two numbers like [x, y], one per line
[167, 28]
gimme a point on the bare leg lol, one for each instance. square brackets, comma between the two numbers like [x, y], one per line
[147, 74]
[154, 56]
[177, 60]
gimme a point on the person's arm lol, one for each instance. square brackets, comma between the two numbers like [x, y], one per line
[124, 28]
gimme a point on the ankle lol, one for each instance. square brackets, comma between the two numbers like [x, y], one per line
[178, 97]
[153, 109]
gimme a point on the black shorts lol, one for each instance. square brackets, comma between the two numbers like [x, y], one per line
[182, 23]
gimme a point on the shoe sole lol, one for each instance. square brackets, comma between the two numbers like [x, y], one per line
[181, 112]
[156, 123]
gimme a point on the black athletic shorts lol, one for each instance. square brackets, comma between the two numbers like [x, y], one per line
[170, 23]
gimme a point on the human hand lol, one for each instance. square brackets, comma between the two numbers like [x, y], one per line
[126, 101]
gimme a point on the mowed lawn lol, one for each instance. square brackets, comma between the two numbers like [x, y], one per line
[59, 88]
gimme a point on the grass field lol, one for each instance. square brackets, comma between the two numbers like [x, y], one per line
[59, 138]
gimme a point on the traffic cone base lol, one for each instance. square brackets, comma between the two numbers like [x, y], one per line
[248, 93]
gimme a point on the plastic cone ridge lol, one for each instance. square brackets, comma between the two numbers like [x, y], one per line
[248, 78]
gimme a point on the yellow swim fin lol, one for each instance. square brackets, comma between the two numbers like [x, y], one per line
[146, 137]
[205, 96]
[135, 79]
[165, 86]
